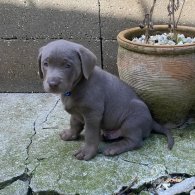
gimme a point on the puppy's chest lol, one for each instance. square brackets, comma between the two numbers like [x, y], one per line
[70, 105]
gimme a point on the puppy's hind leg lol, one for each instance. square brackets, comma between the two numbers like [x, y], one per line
[76, 126]
[131, 140]
[118, 147]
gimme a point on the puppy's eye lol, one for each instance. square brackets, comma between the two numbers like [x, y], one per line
[66, 63]
[45, 64]
[67, 66]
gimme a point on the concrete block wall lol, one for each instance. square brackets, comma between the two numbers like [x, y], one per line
[26, 25]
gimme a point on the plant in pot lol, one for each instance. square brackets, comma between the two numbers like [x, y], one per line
[162, 73]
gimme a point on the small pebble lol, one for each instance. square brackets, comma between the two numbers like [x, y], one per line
[180, 43]
[171, 42]
[184, 40]
[192, 192]
[181, 36]
[188, 40]
[166, 185]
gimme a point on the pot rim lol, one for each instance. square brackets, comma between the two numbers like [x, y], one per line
[126, 43]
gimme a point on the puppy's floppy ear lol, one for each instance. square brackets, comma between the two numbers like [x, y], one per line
[39, 62]
[88, 61]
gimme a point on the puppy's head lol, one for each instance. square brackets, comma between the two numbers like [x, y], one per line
[62, 64]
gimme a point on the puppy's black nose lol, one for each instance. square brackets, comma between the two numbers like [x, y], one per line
[53, 83]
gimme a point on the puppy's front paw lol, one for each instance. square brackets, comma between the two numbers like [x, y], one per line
[68, 135]
[86, 153]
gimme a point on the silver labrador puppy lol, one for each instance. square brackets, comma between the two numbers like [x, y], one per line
[95, 99]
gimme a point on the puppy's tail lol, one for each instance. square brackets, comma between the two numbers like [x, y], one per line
[162, 130]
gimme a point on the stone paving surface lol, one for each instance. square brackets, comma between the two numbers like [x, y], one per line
[34, 159]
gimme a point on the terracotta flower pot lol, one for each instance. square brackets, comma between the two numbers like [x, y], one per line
[163, 76]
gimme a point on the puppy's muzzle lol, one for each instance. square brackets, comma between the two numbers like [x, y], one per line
[53, 82]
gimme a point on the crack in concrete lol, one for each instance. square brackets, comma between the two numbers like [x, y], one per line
[45, 38]
[133, 162]
[100, 34]
[39, 161]
[46, 118]
[26, 160]
[166, 170]
[52, 192]
[30, 190]
[31, 139]
[24, 176]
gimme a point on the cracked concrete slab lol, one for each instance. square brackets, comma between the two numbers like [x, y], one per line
[18, 113]
[30, 144]
[15, 132]
[16, 188]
